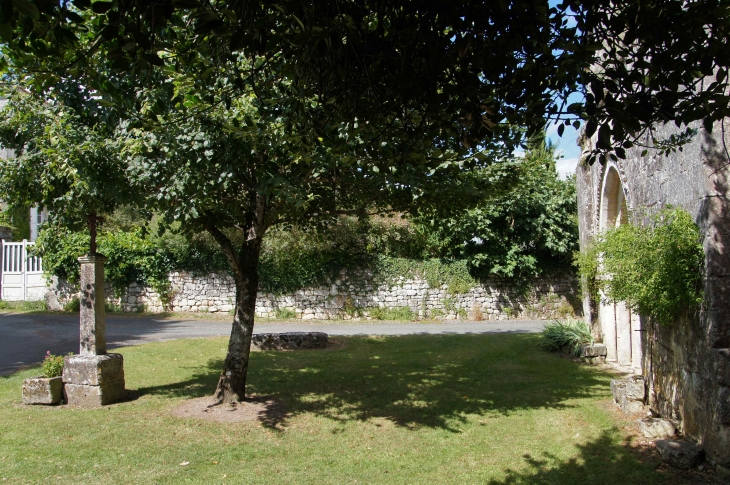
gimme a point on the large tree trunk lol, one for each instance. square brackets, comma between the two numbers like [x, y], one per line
[232, 383]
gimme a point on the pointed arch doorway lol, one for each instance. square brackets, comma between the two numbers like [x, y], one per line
[620, 328]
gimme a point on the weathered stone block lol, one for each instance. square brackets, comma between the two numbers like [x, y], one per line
[722, 472]
[290, 340]
[629, 393]
[42, 390]
[93, 370]
[593, 354]
[94, 396]
[680, 454]
[656, 428]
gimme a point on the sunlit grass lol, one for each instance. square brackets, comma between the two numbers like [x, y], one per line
[415, 409]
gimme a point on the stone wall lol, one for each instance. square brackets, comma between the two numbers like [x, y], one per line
[213, 293]
[686, 365]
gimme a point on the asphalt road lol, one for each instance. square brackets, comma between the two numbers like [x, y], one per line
[25, 338]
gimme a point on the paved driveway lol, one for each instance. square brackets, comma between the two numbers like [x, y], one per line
[25, 338]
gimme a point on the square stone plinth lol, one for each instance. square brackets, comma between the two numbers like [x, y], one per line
[94, 396]
[42, 390]
[93, 370]
[93, 380]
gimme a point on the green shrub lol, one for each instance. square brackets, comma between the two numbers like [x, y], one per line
[52, 365]
[392, 313]
[437, 272]
[383, 250]
[73, 305]
[655, 269]
[351, 309]
[113, 308]
[4, 305]
[566, 336]
[132, 257]
[285, 313]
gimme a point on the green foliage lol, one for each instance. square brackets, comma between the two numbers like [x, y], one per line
[388, 249]
[285, 313]
[52, 365]
[566, 336]
[66, 160]
[73, 305]
[586, 262]
[294, 259]
[656, 269]
[680, 38]
[437, 272]
[24, 306]
[17, 217]
[518, 233]
[131, 257]
[403, 313]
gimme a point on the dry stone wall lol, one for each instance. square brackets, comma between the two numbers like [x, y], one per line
[348, 298]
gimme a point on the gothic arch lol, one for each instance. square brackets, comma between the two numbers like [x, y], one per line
[620, 328]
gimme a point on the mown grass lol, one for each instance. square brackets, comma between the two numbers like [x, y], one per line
[417, 409]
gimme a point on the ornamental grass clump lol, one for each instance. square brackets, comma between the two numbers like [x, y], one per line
[52, 365]
[567, 336]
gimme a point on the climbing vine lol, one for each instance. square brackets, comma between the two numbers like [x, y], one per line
[656, 269]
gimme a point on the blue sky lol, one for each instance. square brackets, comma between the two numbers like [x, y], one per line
[568, 149]
[567, 144]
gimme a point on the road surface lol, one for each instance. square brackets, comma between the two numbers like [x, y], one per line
[25, 337]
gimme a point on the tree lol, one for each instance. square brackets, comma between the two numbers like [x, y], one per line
[65, 159]
[518, 233]
[244, 164]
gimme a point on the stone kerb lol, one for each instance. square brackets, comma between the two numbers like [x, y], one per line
[343, 299]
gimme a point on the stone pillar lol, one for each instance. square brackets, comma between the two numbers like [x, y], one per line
[93, 378]
[93, 312]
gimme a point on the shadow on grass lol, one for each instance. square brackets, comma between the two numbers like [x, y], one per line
[413, 381]
[605, 460]
[202, 383]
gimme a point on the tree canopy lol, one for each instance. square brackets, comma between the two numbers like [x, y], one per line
[526, 230]
[459, 66]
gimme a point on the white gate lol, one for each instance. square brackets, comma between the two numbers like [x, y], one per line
[21, 275]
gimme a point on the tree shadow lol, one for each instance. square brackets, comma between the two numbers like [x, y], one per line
[607, 459]
[414, 381]
[202, 383]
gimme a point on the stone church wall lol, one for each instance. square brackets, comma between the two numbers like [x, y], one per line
[686, 365]
[213, 293]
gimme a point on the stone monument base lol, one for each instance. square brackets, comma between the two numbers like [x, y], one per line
[93, 380]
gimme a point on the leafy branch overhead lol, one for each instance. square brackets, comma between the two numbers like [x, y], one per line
[462, 68]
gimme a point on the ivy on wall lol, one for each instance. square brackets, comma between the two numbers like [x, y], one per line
[656, 269]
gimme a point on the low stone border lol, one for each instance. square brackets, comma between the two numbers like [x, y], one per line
[629, 393]
[290, 340]
[593, 354]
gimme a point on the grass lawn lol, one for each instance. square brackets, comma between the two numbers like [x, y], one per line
[491, 409]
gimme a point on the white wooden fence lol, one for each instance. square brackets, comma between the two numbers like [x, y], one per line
[21, 275]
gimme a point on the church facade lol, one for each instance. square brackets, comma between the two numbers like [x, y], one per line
[686, 366]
